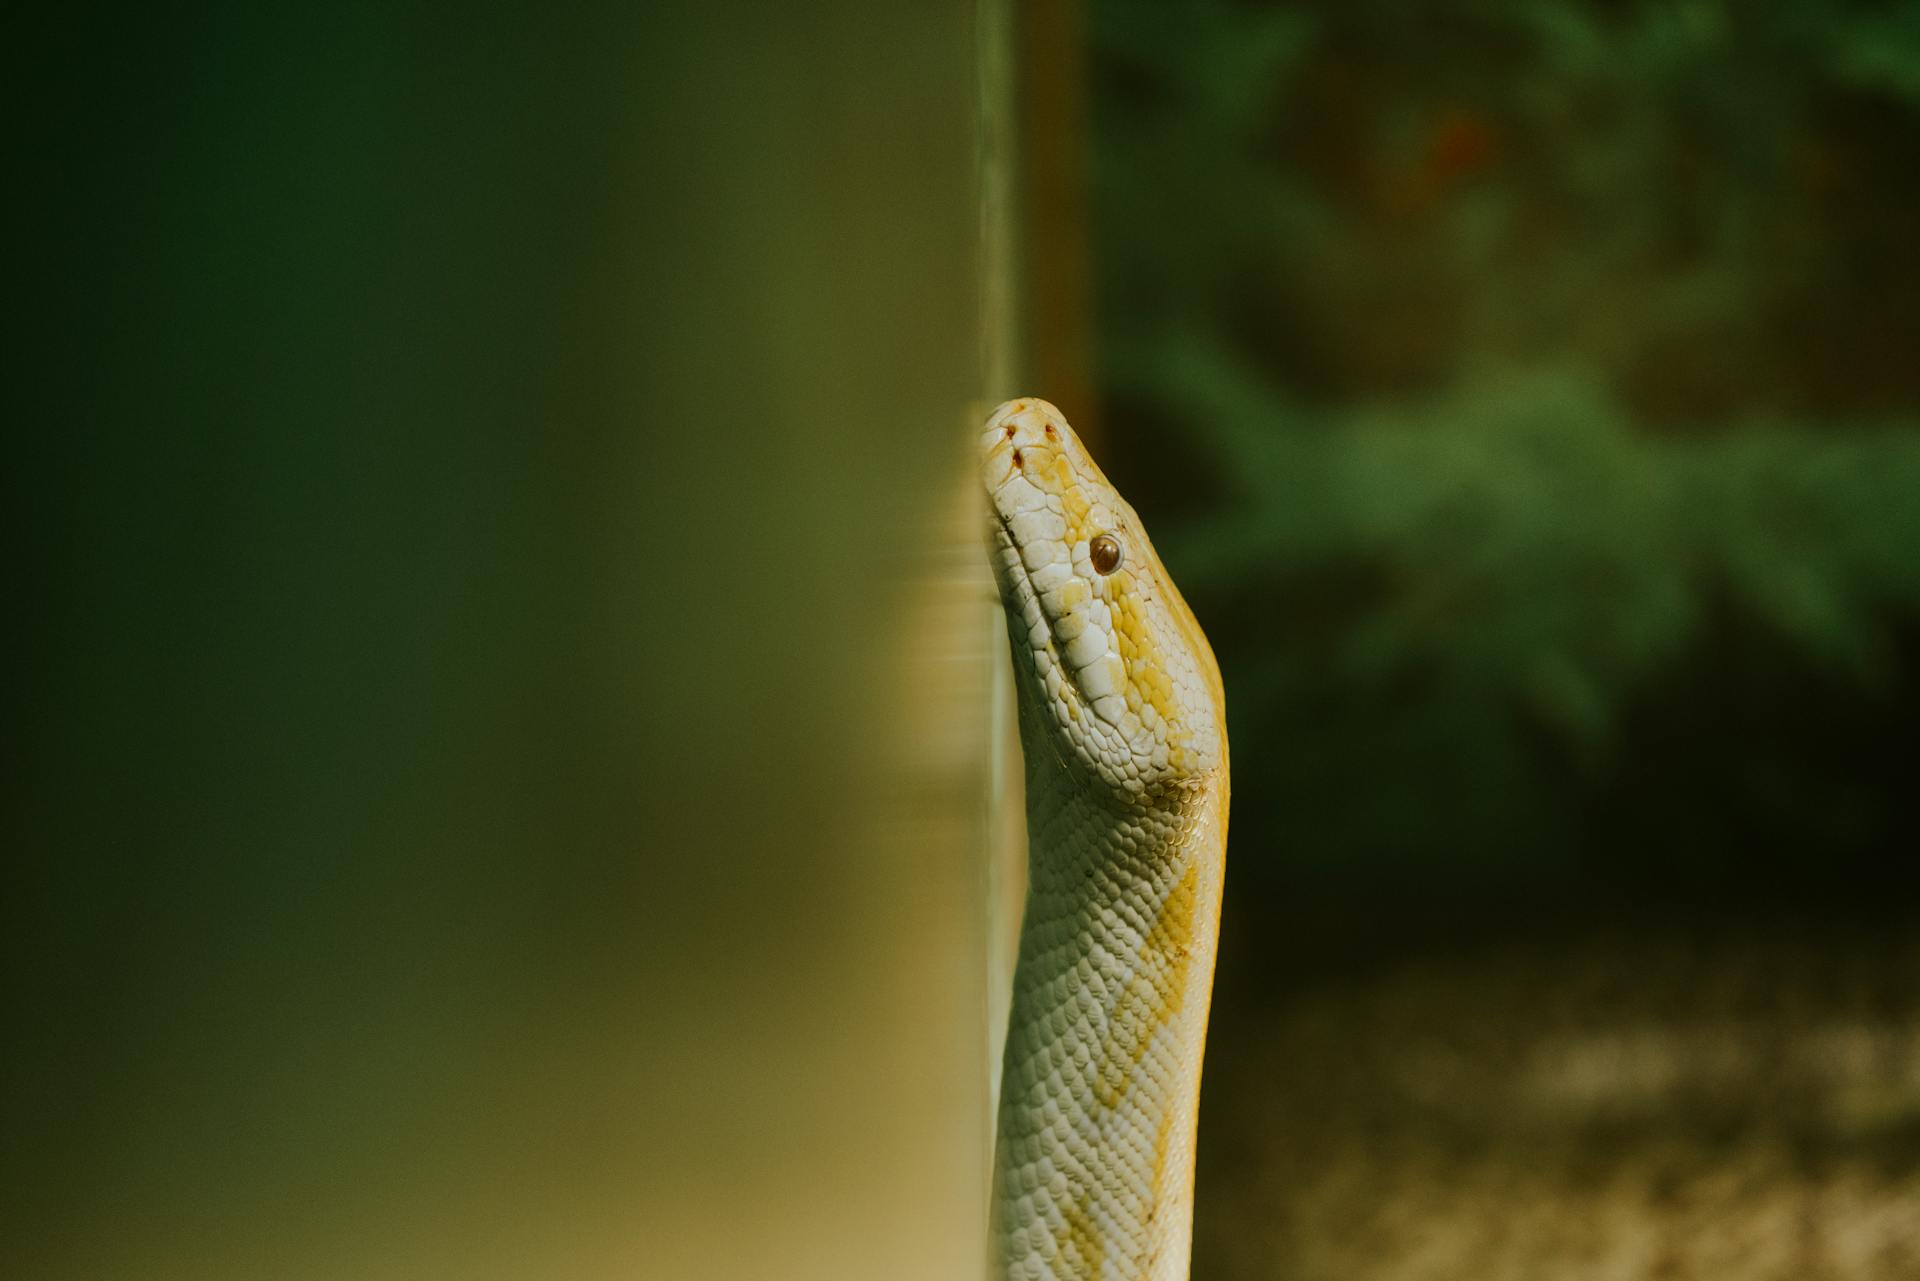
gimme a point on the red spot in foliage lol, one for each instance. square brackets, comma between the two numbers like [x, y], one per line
[1460, 144]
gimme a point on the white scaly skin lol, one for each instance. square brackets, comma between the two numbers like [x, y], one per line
[1124, 731]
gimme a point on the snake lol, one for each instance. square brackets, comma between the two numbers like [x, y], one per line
[1122, 722]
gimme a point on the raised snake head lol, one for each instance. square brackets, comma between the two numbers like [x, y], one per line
[1112, 666]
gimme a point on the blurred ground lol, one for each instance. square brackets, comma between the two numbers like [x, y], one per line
[1650, 1106]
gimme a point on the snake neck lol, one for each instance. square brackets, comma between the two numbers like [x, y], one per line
[1093, 1165]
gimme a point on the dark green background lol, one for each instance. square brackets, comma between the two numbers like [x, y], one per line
[1527, 395]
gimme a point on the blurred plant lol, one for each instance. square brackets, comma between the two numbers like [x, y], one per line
[1711, 204]
[1541, 371]
[1435, 619]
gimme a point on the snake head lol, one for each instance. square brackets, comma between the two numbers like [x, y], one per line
[1114, 671]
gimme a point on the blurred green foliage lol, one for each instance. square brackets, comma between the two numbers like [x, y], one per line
[1543, 377]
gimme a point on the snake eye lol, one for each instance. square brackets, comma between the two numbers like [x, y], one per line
[1104, 549]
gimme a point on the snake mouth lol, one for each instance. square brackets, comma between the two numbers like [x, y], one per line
[1018, 587]
[1021, 600]
[1017, 577]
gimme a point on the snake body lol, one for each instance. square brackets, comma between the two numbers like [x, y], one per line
[1122, 724]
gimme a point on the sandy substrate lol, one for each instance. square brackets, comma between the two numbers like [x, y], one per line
[1745, 1110]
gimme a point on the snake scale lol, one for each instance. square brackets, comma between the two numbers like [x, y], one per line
[1123, 729]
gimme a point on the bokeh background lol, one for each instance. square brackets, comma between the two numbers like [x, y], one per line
[509, 779]
[1526, 395]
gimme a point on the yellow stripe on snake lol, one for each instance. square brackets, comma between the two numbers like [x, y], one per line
[1123, 728]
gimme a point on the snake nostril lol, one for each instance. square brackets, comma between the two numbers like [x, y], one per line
[1016, 458]
[1010, 431]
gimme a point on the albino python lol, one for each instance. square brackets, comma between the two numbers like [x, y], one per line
[1123, 729]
